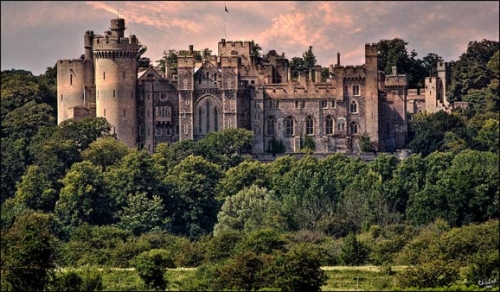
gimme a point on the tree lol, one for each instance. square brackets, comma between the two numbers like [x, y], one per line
[243, 175]
[192, 205]
[35, 191]
[152, 266]
[353, 252]
[141, 214]
[256, 48]
[28, 249]
[105, 152]
[83, 198]
[299, 269]
[250, 209]
[488, 136]
[243, 272]
[309, 59]
[471, 70]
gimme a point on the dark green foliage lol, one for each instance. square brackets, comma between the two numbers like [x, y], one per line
[308, 145]
[429, 275]
[353, 251]
[28, 253]
[275, 146]
[299, 270]
[152, 266]
[261, 241]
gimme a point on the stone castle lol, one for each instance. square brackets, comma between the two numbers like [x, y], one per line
[234, 89]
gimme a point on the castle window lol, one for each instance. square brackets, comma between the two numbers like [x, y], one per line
[200, 120]
[158, 130]
[324, 104]
[169, 129]
[309, 125]
[270, 125]
[329, 125]
[124, 113]
[104, 75]
[353, 107]
[333, 103]
[114, 95]
[341, 125]
[71, 79]
[296, 104]
[289, 126]
[61, 97]
[104, 113]
[354, 128]
[355, 90]
[208, 115]
[216, 119]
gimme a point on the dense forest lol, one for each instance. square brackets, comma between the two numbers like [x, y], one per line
[72, 196]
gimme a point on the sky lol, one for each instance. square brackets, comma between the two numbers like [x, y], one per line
[34, 35]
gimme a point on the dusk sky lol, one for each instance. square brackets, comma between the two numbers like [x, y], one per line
[37, 34]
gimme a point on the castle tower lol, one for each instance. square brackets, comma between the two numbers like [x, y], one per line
[185, 86]
[115, 80]
[75, 85]
[443, 70]
[371, 92]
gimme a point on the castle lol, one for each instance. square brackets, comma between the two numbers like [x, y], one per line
[234, 89]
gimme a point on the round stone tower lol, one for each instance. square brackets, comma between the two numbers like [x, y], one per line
[115, 79]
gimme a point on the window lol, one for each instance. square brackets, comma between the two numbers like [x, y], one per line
[289, 126]
[114, 95]
[309, 125]
[353, 107]
[104, 113]
[341, 125]
[208, 114]
[61, 97]
[71, 79]
[354, 128]
[329, 125]
[158, 130]
[200, 120]
[270, 125]
[333, 103]
[124, 113]
[216, 119]
[324, 104]
[296, 104]
[355, 90]
[104, 75]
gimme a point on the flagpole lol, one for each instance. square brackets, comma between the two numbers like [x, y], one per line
[225, 22]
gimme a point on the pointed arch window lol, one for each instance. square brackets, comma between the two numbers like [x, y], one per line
[309, 125]
[216, 119]
[354, 128]
[200, 120]
[208, 115]
[271, 121]
[329, 125]
[289, 126]
[353, 107]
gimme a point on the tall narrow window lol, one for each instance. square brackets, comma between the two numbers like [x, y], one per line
[200, 120]
[354, 128]
[61, 97]
[104, 75]
[71, 79]
[124, 113]
[355, 90]
[345, 90]
[104, 113]
[270, 125]
[114, 95]
[309, 125]
[324, 104]
[208, 115]
[216, 119]
[289, 126]
[329, 125]
[333, 103]
[354, 107]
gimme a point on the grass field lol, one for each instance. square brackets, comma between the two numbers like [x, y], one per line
[340, 278]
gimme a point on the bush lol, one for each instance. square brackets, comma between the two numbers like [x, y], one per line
[151, 267]
[353, 252]
[429, 275]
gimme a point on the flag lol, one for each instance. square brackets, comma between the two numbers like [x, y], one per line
[225, 8]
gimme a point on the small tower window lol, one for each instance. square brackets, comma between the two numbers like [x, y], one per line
[114, 95]
[270, 125]
[309, 125]
[354, 128]
[289, 126]
[104, 75]
[324, 104]
[353, 107]
[104, 113]
[61, 97]
[71, 79]
[329, 125]
[333, 103]
[124, 113]
[355, 90]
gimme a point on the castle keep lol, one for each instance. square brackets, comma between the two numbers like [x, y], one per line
[234, 89]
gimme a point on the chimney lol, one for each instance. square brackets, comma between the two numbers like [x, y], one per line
[191, 49]
[338, 59]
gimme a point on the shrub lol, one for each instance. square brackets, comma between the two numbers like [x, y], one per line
[151, 267]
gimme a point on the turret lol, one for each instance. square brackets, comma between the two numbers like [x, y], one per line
[115, 79]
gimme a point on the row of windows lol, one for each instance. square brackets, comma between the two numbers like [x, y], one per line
[160, 130]
[355, 90]
[329, 126]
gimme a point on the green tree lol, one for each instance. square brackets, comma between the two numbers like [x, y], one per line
[152, 266]
[309, 59]
[250, 209]
[488, 136]
[192, 205]
[141, 214]
[35, 192]
[28, 249]
[105, 152]
[256, 49]
[353, 252]
[243, 272]
[243, 175]
[299, 269]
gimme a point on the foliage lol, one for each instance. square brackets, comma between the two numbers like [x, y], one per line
[364, 143]
[151, 267]
[353, 251]
[275, 146]
[250, 209]
[243, 175]
[429, 275]
[105, 152]
[308, 145]
[141, 214]
[28, 253]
